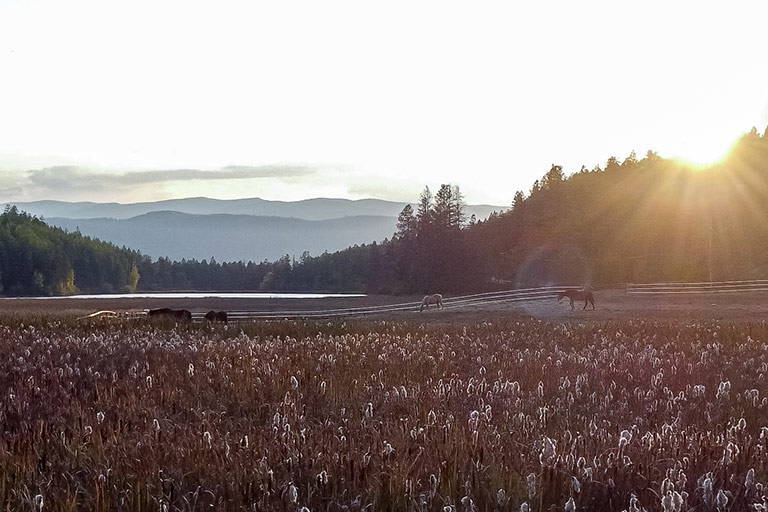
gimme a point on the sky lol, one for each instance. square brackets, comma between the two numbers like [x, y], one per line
[148, 100]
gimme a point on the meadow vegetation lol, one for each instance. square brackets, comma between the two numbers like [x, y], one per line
[507, 415]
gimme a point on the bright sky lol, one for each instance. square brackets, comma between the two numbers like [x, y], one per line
[145, 100]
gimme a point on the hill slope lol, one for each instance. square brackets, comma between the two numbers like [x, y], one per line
[37, 259]
[230, 237]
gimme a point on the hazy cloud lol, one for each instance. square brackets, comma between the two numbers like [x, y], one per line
[62, 177]
[10, 192]
[269, 171]
[73, 176]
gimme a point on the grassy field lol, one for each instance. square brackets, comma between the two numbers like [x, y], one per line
[500, 414]
[611, 305]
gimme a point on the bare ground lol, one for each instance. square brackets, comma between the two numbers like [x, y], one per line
[613, 304]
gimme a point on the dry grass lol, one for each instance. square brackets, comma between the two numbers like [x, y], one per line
[383, 416]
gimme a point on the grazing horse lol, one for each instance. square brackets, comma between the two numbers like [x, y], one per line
[179, 314]
[216, 316]
[585, 295]
[432, 299]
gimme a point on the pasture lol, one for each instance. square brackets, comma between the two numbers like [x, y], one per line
[505, 407]
[612, 304]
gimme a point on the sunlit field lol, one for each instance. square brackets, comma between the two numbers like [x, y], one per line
[508, 415]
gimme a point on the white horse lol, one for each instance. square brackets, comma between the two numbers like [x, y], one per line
[431, 299]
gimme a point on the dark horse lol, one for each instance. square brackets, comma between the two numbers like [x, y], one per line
[572, 294]
[180, 314]
[216, 316]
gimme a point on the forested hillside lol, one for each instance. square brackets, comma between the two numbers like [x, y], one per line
[636, 220]
[36, 259]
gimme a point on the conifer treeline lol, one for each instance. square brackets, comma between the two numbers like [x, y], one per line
[36, 259]
[638, 220]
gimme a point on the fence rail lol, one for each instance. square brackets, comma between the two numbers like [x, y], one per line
[697, 288]
[519, 295]
[458, 302]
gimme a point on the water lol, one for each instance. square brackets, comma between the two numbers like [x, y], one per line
[202, 295]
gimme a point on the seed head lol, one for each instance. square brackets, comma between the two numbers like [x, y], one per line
[531, 486]
[722, 500]
[750, 478]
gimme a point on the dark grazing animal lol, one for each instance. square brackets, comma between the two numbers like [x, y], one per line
[573, 294]
[216, 316]
[183, 315]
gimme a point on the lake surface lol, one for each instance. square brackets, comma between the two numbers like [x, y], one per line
[201, 295]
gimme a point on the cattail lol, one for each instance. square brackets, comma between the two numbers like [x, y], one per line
[723, 389]
[548, 452]
[667, 502]
[722, 500]
[633, 504]
[707, 488]
[474, 420]
[531, 486]
[667, 486]
[625, 438]
[677, 500]
[750, 478]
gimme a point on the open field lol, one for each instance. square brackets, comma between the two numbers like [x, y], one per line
[484, 409]
[751, 306]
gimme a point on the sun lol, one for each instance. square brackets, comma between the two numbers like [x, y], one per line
[704, 150]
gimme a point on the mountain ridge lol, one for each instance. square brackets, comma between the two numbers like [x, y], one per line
[308, 209]
[230, 237]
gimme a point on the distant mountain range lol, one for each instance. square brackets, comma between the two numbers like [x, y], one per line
[231, 230]
[230, 237]
[308, 209]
